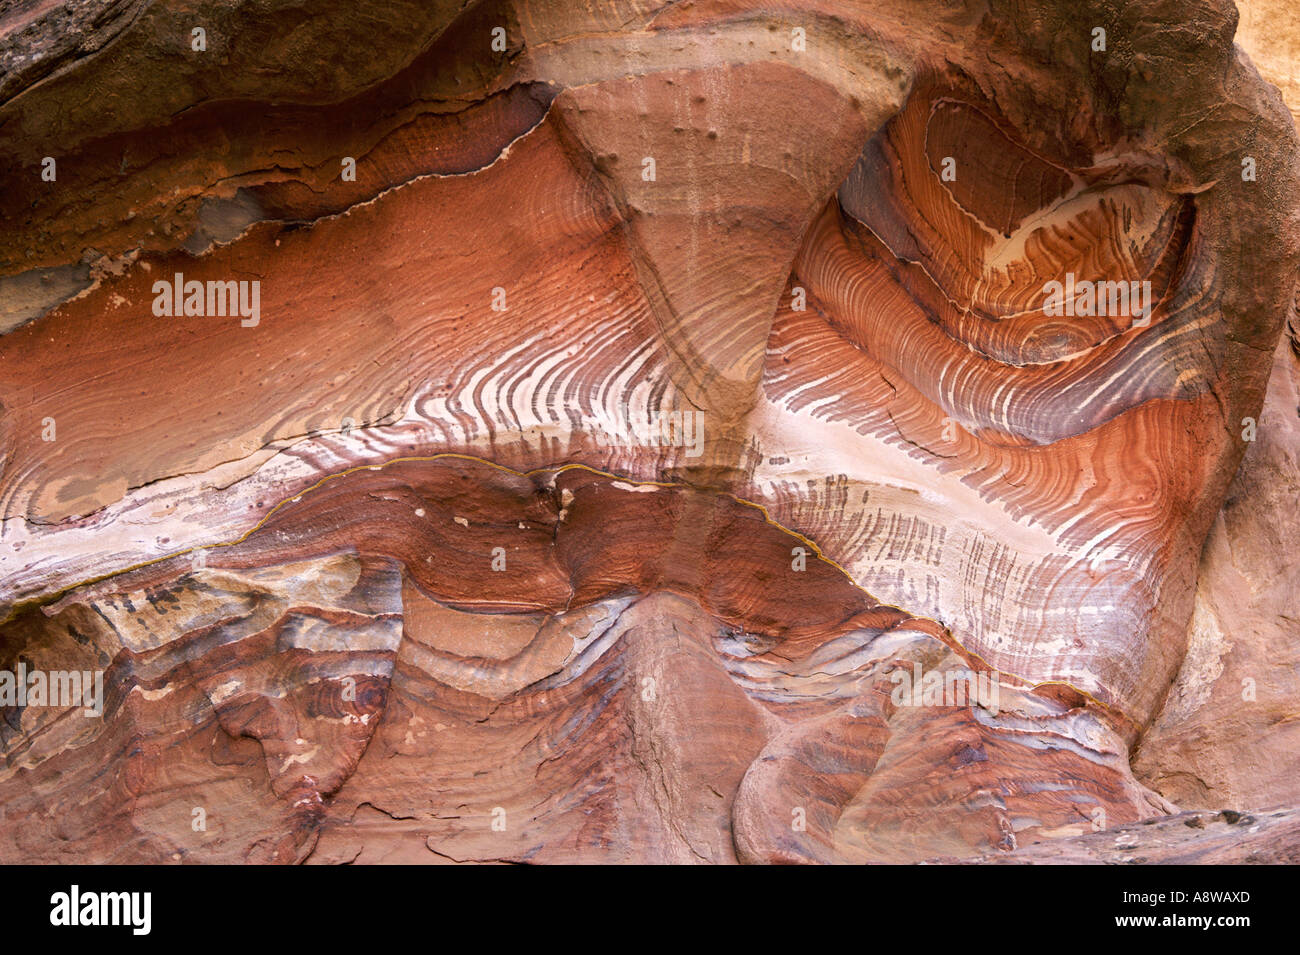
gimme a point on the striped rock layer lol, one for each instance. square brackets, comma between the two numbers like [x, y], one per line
[638, 395]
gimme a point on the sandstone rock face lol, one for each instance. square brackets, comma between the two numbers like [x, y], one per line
[1227, 735]
[648, 432]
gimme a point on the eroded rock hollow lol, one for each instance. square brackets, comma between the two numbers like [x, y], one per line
[647, 431]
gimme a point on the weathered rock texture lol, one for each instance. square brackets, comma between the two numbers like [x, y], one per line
[388, 567]
[1230, 732]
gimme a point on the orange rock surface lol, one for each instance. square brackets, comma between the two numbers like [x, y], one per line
[544, 432]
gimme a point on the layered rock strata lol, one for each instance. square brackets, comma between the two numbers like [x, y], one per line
[544, 432]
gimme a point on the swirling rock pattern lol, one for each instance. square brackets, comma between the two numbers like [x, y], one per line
[636, 397]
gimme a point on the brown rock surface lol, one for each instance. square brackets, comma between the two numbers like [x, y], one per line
[1187, 838]
[390, 567]
[1228, 733]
